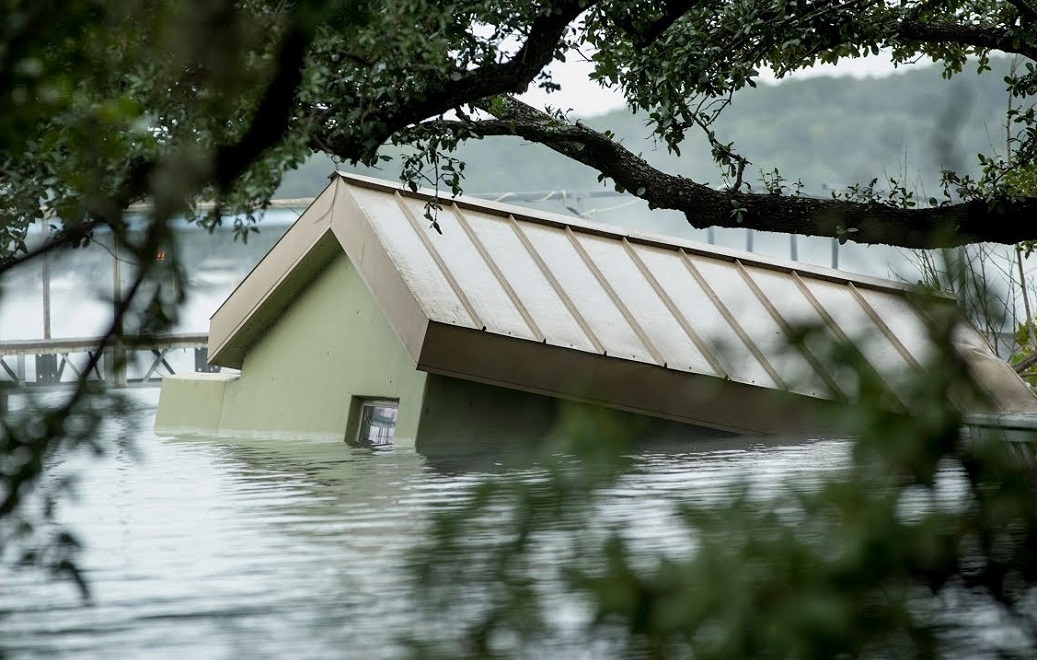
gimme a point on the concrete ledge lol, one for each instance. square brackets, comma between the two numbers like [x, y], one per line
[191, 403]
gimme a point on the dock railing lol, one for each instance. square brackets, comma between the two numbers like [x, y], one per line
[128, 361]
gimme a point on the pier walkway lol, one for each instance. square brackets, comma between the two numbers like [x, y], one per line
[61, 362]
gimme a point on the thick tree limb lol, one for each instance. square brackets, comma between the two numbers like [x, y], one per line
[509, 77]
[273, 115]
[1027, 9]
[968, 35]
[945, 226]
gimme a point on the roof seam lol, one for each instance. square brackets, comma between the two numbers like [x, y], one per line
[616, 300]
[842, 336]
[438, 259]
[495, 269]
[819, 308]
[729, 317]
[885, 329]
[786, 327]
[671, 306]
[559, 291]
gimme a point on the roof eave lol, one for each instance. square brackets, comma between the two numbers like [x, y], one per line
[629, 385]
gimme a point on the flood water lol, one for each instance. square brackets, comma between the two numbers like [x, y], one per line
[216, 548]
[283, 548]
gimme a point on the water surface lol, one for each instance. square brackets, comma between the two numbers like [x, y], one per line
[212, 548]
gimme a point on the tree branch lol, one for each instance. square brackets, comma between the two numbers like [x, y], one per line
[642, 36]
[268, 126]
[273, 115]
[508, 77]
[1027, 10]
[73, 235]
[969, 35]
[945, 226]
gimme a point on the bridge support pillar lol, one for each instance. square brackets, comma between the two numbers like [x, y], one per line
[115, 366]
[47, 368]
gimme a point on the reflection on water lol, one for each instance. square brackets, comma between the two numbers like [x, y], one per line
[206, 548]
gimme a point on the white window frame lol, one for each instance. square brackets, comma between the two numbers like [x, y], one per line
[362, 405]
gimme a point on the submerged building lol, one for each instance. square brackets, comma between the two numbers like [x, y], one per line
[367, 324]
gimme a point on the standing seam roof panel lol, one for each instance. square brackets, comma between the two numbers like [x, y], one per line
[469, 273]
[697, 306]
[628, 315]
[696, 338]
[525, 279]
[903, 321]
[884, 328]
[534, 331]
[412, 259]
[619, 263]
[554, 311]
[792, 310]
[875, 344]
[447, 273]
[592, 301]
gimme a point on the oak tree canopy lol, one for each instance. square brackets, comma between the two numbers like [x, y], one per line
[103, 104]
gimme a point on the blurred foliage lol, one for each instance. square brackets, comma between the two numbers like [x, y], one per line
[46, 428]
[108, 103]
[104, 104]
[1025, 357]
[894, 555]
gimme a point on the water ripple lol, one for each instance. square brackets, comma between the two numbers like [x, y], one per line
[208, 548]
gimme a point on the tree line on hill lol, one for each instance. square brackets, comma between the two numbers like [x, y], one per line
[777, 127]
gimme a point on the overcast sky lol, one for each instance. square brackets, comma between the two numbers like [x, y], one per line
[587, 99]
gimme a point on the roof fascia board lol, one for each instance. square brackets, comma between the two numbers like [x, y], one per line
[295, 259]
[378, 271]
[251, 325]
[624, 384]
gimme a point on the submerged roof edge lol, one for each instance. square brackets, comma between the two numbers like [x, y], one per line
[639, 387]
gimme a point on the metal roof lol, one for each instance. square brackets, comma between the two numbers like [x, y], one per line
[555, 281]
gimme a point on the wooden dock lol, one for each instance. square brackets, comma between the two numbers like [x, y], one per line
[61, 362]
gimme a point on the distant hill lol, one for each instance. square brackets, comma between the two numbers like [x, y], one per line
[826, 131]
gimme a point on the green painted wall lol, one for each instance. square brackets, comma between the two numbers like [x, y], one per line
[333, 344]
[299, 378]
[458, 416]
[191, 403]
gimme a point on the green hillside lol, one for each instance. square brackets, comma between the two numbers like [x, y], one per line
[827, 131]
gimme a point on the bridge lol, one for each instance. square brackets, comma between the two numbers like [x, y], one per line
[129, 361]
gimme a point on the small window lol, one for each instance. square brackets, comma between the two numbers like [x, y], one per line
[377, 422]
